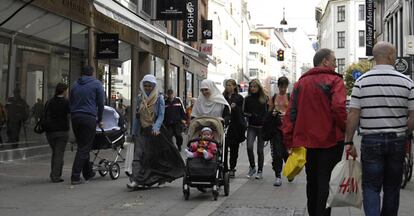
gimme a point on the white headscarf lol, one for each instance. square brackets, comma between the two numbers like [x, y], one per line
[148, 78]
[146, 108]
[206, 106]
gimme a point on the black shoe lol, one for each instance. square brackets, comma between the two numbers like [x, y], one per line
[91, 176]
[57, 180]
[76, 182]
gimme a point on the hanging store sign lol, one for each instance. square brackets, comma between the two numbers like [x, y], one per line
[206, 49]
[171, 9]
[207, 29]
[369, 27]
[191, 21]
[107, 45]
[403, 65]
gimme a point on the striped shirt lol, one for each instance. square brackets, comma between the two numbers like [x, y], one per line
[384, 97]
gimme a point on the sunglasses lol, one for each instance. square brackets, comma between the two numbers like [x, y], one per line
[204, 90]
[147, 86]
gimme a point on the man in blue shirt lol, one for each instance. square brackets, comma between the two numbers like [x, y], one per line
[86, 107]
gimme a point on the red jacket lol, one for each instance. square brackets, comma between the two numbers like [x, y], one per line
[316, 114]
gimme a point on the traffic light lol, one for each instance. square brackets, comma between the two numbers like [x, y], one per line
[280, 55]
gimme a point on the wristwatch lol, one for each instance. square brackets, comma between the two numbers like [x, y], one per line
[349, 143]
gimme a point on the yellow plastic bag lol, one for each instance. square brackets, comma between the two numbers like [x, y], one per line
[295, 162]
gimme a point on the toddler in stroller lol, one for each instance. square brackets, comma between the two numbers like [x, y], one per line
[205, 146]
[112, 135]
[205, 166]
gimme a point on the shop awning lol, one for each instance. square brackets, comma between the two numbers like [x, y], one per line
[124, 16]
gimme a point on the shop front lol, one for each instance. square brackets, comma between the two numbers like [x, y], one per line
[52, 41]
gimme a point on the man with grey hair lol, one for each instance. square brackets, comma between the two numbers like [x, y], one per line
[381, 100]
[315, 119]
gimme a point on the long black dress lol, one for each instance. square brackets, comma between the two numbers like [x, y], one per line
[156, 159]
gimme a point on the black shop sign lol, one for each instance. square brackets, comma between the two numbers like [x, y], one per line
[190, 30]
[171, 9]
[107, 46]
[403, 65]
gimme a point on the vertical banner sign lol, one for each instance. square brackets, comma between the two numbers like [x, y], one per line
[171, 9]
[207, 29]
[107, 46]
[191, 21]
[369, 27]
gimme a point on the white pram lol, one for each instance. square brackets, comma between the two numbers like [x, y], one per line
[112, 136]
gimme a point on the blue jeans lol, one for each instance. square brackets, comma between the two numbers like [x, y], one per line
[382, 162]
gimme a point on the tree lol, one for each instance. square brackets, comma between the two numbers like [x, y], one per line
[362, 66]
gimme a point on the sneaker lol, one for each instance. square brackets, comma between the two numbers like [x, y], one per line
[132, 185]
[251, 173]
[232, 173]
[259, 175]
[278, 182]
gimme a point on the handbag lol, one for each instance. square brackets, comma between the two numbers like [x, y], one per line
[345, 184]
[41, 124]
[295, 162]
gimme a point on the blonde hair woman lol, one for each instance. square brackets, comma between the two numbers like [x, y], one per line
[255, 108]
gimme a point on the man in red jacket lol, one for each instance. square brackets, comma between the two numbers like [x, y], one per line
[316, 119]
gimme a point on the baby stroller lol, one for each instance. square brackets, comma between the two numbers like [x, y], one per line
[111, 136]
[202, 173]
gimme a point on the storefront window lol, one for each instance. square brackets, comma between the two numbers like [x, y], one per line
[115, 75]
[4, 67]
[188, 87]
[38, 59]
[160, 73]
[79, 50]
[173, 81]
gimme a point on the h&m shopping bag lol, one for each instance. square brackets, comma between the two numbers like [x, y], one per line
[345, 184]
[295, 162]
[129, 157]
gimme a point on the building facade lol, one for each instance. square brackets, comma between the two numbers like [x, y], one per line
[341, 28]
[47, 42]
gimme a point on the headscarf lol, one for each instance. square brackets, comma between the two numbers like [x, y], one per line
[146, 108]
[204, 106]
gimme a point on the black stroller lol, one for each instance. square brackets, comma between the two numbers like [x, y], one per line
[112, 136]
[201, 173]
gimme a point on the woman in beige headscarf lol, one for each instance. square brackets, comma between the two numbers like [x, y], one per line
[156, 159]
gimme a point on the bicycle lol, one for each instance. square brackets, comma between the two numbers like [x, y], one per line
[407, 163]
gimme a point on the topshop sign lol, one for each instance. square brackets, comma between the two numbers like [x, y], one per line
[190, 29]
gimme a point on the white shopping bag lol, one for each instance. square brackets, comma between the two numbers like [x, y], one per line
[345, 184]
[129, 157]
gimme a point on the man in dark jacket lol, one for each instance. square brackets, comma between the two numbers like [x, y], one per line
[315, 119]
[174, 117]
[17, 114]
[86, 108]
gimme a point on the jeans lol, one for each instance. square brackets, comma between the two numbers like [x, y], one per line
[382, 158]
[279, 153]
[57, 142]
[319, 166]
[84, 127]
[252, 133]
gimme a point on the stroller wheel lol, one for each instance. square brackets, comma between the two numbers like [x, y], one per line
[103, 167]
[114, 170]
[226, 184]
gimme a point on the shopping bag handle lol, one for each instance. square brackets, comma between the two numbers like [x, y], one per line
[347, 155]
